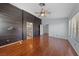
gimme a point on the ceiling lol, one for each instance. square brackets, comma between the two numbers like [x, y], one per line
[58, 10]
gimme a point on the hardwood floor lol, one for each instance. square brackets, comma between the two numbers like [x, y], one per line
[40, 46]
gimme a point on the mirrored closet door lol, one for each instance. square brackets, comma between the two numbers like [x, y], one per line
[29, 28]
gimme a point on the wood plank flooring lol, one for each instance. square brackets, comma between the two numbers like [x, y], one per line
[39, 46]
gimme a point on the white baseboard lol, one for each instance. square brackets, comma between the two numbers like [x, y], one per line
[62, 37]
[72, 42]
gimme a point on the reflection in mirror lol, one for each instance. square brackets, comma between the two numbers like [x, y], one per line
[29, 27]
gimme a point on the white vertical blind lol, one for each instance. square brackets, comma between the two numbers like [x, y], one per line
[74, 27]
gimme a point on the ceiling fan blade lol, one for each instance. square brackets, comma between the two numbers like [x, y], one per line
[47, 12]
[37, 12]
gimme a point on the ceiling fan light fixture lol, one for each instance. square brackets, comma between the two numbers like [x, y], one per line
[43, 11]
[42, 4]
[42, 14]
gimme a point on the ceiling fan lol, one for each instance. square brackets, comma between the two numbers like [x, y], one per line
[43, 11]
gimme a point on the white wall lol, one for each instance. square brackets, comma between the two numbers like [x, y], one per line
[57, 27]
[44, 29]
[41, 29]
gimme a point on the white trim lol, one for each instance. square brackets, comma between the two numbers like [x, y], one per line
[20, 42]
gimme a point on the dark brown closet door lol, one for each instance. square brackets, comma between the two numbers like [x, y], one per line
[10, 24]
[27, 17]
